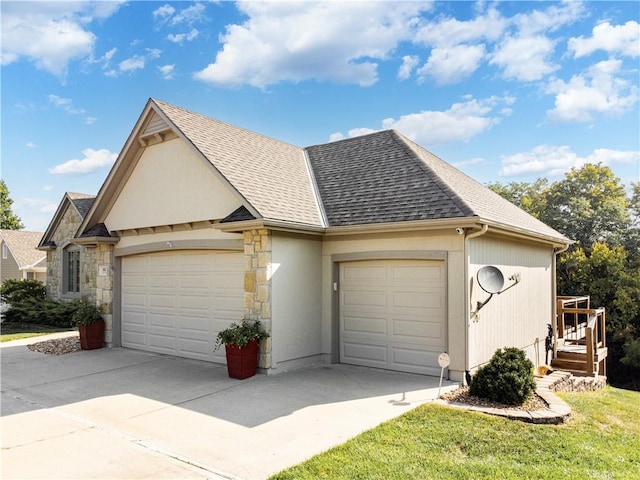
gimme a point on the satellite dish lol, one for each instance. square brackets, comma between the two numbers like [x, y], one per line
[490, 279]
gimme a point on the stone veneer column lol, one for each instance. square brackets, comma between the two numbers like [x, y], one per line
[104, 288]
[257, 285]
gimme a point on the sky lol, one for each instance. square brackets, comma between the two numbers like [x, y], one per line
[504, 91]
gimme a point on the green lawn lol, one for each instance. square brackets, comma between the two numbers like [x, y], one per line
[17, 332]
[601, 441]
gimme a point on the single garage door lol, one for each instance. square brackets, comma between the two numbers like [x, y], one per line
[393, 314]
[176, 302]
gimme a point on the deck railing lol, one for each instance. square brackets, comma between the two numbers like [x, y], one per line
[581, 332]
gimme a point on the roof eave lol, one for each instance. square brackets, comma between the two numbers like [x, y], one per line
[95, 240]
[414, 225]
[278, 225]
[510, 230]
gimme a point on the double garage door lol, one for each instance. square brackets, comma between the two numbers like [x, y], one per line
[393, 314]
[176, 302]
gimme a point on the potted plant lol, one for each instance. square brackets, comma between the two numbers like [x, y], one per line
[241, 345]
[90, 325]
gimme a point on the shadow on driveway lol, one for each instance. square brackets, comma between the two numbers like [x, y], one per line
[189, 411]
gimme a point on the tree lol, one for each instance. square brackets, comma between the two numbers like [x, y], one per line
[589, 205]
[9, 220]
[529, 197]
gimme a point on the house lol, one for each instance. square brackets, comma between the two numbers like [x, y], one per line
[20, 256]
[362, 251]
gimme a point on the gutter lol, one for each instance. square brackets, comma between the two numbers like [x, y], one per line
[467, 303]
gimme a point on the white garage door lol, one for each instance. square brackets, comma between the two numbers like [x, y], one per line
[393, 314]
[176, 302]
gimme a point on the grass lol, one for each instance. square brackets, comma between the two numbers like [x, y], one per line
[10, 332]
[601, 441]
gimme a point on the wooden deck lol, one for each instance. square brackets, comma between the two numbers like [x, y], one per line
[580, 344]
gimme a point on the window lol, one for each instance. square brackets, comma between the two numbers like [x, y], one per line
[5, 251]
[71, 270]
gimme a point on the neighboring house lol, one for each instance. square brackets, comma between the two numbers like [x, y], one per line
[362, 251]
[20, 256]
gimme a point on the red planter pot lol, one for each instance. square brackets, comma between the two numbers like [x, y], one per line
[242, 362]
[92, 336]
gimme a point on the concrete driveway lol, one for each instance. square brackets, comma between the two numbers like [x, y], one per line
[119, 413]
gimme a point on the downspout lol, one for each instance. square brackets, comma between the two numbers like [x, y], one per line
[467, 302]
[554, 293]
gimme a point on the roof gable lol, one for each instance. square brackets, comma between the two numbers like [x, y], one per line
[80, 202]
[271, 175]
[22, 246]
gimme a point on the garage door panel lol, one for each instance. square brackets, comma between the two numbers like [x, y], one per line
[134, 339]
[365, 325]
[366, 273]
[159, 341]
[396, 319]
[369, 298]
[370, 355]
[176, 302]
[132, 280]
[196, 348]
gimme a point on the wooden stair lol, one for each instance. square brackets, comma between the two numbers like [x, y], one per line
[573, 359]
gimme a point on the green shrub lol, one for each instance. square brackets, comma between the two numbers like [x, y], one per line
[41, 312]
[507, 378]
[14, 290]
[86, 314]
[240, 334]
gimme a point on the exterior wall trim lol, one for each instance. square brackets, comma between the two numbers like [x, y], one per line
[180, 245]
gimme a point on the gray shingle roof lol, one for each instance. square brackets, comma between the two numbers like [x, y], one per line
[271, 175]
[82, 201]
[376, 179]
[23, 247]
[379, 178]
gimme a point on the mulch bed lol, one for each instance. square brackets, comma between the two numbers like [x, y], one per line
[57, 346]
[462, 395]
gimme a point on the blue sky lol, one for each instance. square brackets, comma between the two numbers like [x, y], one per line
[504, 91]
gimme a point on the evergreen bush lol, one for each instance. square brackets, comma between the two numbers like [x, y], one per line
[507, 378]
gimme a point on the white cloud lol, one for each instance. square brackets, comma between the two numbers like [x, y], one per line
[449, 32]
[553, 160]
[181, 37]
[525, 58]
[452, 64]
[334, 41]
[65, 104]
[130, 64]
[189, 15]
[167, 71]
[90, 120]
[409, 62]
[471, 161]
[622, 39]
[334, 137]
[31, 145]
[164, 11]
[50, 34]
[93, 160]
[47, 188]
[550, 19]
[596, 91]
[461, 122]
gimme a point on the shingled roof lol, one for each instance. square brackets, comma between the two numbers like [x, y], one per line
[22, 246]
[384, 177]
[377, 179]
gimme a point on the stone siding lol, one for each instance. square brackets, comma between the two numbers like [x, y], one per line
[257, 285]
[94, 288]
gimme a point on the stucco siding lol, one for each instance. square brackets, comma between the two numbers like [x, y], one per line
[296, 299]
[445, 245]
[170, 185]
[518, 316]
